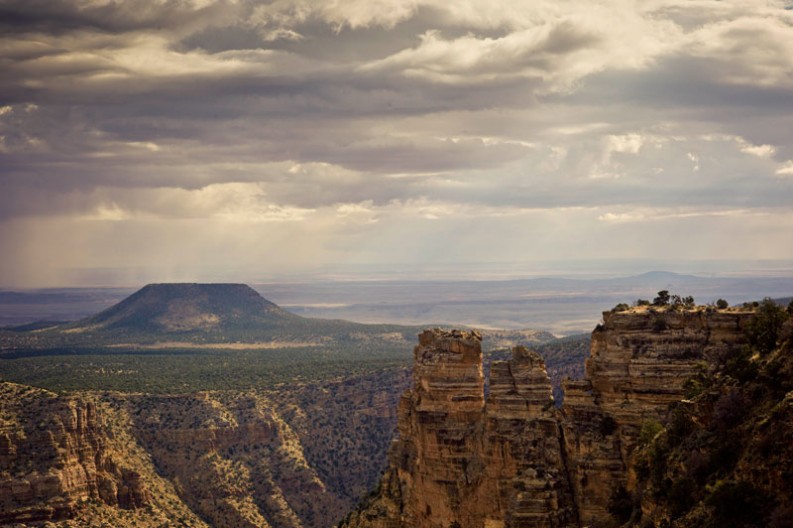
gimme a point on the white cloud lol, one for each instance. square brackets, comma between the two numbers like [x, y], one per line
[694, 160]
[786, 169]
[666, 214]
[761, 151]
[755, 48]
[558, 49]
[352, 14]
[361, 213]
[626, 143]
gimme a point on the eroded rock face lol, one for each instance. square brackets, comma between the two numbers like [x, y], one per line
[638, 364]
[235, 461]
[439, 428]
[50, 465]
[296, 457]
[513, 459]
[524, 481]
[462, 461]
[639, 360]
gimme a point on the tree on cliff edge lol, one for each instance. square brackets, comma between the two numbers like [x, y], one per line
[662, 299]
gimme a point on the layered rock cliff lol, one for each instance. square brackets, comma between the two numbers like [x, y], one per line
[466, 461]
[296, 457]
[524, 482]
[512, 459]
[724, 456]
[632, 439]
[639, 362]
[51, 466]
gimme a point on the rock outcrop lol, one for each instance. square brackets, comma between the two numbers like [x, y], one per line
[461, 460]
[512, 459]
[438, 425]
[524, 482]
[50, 465]
[297, 457]
[638, 364]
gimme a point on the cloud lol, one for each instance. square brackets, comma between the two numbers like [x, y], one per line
[378, 131]
[786, 169]
[755, 50]
[286, 15]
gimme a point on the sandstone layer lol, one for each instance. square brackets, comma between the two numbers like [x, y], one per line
[512, 459]
[638, 364]
[465, 461]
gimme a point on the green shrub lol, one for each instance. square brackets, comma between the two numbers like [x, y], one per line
[724, 457]
[662, 299]
[740, 366]
[650, 428]
[729, 410]
[679, 427]
[763, 329]
[699, 382]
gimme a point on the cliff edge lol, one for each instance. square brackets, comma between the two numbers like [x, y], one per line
[511, 459]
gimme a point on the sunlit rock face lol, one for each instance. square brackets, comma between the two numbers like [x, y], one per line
[51, 464]
[437, 454]
[295, 457]
[514, 460]
[525, 478]
[461, 460]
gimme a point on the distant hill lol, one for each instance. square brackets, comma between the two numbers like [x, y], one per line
[175, 337]
[171, 308]
[186, 315]
[663, 275]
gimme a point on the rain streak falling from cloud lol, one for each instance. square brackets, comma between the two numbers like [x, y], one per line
[316, 135]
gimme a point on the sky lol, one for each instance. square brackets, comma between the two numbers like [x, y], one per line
[159, 140]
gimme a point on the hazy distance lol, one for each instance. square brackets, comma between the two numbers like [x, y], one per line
[557, 304]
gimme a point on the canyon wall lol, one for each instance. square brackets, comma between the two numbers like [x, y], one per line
[639, 362]
[469, 454]
[296, 457]
[512, 459]
[51, 465]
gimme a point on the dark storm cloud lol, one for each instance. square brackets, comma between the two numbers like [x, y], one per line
[353, 120]
[62, 16]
